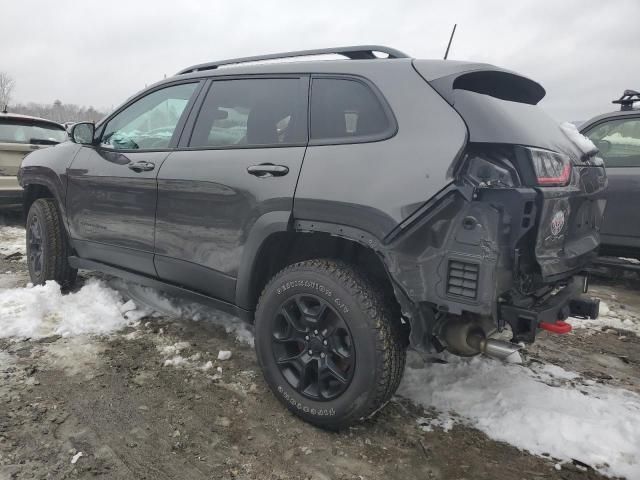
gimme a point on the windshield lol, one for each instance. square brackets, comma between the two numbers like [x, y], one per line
[30, 132]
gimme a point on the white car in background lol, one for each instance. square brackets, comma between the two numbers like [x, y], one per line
[20, 135]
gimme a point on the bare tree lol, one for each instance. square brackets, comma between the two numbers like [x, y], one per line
[6, 88]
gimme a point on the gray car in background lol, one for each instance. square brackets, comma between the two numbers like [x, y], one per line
[617, 136]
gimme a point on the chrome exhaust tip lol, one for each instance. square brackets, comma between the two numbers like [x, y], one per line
[505, 351]
[499, 349]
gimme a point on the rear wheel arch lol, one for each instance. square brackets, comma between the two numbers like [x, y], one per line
[284, 247]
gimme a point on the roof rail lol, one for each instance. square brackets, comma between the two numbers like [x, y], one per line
[359, 52]
[628, 98]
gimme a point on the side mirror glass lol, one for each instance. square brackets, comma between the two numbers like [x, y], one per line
[83, 133]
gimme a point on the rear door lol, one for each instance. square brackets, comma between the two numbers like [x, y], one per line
[112, 190]
[618, 140]
[238, 163]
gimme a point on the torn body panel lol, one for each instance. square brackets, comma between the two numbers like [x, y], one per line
[460, 255]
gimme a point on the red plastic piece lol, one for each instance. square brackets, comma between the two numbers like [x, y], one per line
[559, 327]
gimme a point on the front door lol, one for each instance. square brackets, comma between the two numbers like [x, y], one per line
[112, 189]
[239, 162]
[619, 143]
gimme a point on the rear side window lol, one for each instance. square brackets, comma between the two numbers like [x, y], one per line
[30, 132]
[345, 110]
[618, 142]
[253, 112]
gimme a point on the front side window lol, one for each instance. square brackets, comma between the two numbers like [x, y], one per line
[252, 112]
[150, 122]
[618, 142]
[31, 132]
[346, 110]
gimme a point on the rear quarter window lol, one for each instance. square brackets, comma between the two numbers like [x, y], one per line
[347, 111]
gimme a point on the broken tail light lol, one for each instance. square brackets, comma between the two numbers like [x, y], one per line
[490, 169]
[552, 169]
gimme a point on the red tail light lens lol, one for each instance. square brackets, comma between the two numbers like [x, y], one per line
[552, 169]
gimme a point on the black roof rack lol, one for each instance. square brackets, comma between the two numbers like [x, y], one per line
[359, 52]
[627, 99]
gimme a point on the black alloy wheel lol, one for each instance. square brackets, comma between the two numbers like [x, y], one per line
[313, 347]
[329, 343]
[48, 248]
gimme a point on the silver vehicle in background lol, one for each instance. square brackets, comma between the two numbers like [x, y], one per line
[617, 136]
[20, 135]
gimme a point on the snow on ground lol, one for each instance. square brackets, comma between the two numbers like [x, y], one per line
[9, 279]
[541, 409]
[159, 302]
[619, 319]
[12, 240]
[74, 355]
[41, 311]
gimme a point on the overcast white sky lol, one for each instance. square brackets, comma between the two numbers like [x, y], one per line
[584, 52]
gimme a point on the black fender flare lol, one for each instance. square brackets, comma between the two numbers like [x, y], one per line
[266, 225]
[45, 177]
[281, 221]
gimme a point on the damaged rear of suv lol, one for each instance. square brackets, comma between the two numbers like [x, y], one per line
[350, 208]
[509, 237]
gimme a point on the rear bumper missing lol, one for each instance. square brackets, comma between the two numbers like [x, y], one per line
[570, 301]
[473, 253]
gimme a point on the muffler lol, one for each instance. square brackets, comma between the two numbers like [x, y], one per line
[467, 336]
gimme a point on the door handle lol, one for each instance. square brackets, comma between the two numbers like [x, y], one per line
[265, 170]
[141, 166]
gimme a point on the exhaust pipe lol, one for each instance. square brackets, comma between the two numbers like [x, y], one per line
[505, 351]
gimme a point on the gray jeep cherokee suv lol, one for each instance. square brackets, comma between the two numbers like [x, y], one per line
[351, 208]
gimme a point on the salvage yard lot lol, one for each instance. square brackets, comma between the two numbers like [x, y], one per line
[93, 384]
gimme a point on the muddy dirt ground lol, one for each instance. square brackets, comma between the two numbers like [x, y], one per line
[113, 399]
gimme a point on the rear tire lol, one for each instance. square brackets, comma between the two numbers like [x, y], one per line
[48, 248]
[327, 344]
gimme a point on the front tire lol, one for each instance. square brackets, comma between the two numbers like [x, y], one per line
[48, 247]
[327, 343]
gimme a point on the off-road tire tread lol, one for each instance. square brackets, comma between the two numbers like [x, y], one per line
[55, 266]
[393, 314]
[390, 349]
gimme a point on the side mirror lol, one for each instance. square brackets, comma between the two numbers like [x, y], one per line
[83, 133]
